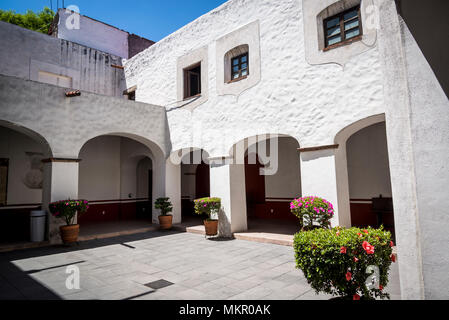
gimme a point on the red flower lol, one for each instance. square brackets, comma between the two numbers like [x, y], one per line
[355, 259]
[356, 297]
[367, 247]
[366, 231]
[348, 276]
[342, 250]
[359, 234]
[381, 287]
[391, 244]
[393, 257]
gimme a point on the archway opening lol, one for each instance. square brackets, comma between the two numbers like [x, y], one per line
[195, 182]
[21, 180]
[272, 181]
[116, 177]
[371, 202]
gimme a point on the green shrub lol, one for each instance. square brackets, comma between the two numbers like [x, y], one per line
[67, 209]
[312, 211]
[340, 261]
[164, 205]
[207, 207]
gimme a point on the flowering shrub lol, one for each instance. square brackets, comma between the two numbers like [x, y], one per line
[312, 210]
[207, 206]
[341, 261]
[67, 209]
[164, 205]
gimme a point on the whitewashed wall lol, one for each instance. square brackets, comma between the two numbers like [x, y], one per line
[26, 54]
[310, 103]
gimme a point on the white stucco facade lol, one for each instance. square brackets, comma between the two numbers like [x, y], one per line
[374, 104]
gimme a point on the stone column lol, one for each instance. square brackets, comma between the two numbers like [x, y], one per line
[60, 183]
[318, 176]
[227, 182]
[173, 188]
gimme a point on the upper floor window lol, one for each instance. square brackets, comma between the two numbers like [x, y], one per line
[192, 81]
[342, 28]
[239, 67]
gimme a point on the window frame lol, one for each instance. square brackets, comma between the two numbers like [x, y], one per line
[239, 57]
[342, 33]
[187, 86]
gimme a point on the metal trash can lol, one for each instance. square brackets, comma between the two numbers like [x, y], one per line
[37, 225]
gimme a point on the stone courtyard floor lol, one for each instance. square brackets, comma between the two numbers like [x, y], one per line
[194, 268]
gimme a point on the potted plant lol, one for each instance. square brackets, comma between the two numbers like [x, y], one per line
[347, 263]
[209, 208]
[313, 212]
[165, 219]
[67, 210]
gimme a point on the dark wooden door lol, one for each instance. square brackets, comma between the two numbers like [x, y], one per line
[255, 186]
[202, 181]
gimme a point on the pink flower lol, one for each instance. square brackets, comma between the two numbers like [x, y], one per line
[355, 259]
[343, 250]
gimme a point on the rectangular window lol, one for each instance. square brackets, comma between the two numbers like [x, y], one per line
[239, 67]
[192, 81]
[4, 163]
[342, 28]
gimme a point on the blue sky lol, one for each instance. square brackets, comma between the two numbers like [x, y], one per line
[152, 19]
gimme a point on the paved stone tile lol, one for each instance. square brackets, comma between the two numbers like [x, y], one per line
[199, 269]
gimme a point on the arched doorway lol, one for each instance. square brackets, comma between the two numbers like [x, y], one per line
[370, 195]
[270, 191]
[116, 177]
[195, 181]
[21, 179]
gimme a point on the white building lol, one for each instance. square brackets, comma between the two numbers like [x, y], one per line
[340, 89]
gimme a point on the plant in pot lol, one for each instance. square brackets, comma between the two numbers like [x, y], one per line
[209, 208]
[350, 263]
[313, 212]
[67, 210]
[165, 219]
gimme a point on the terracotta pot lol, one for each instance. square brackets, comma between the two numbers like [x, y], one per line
[211, 227]
[69, 234]
[165, 222]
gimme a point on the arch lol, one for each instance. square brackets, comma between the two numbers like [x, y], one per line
[22, 178]
[155, 148]
[239, 149]
[115, 157]
[341, 162]
[272, 177]
[48, 153]
[190, 182]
